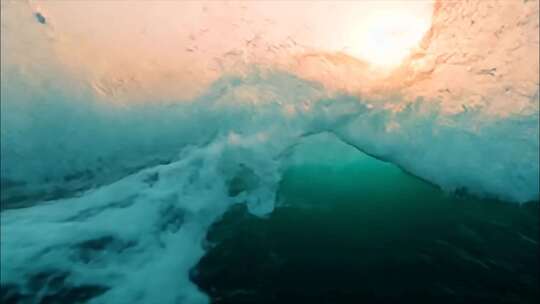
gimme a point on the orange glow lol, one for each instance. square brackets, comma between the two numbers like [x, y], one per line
[177, 48]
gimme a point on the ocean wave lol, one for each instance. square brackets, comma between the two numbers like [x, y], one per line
[157, 175]
[66, 142]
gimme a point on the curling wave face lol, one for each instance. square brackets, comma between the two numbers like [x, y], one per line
[146, 181]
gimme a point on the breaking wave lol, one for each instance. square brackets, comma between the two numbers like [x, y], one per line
[119, 198]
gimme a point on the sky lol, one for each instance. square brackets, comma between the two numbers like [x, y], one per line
[478, 54]
[189, 44]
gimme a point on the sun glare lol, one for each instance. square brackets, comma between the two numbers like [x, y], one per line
[387, 38]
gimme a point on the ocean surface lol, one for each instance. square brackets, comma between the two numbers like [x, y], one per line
[353, 229]
[265, 189]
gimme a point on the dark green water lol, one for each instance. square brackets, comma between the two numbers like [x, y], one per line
[352, 229]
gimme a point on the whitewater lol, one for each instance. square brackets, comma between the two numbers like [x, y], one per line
[111, 202]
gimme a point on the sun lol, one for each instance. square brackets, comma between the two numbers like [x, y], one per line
[388, 37]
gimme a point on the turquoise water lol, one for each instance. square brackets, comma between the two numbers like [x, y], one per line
[352, 229]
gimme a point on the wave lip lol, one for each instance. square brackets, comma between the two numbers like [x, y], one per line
[487, 155]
